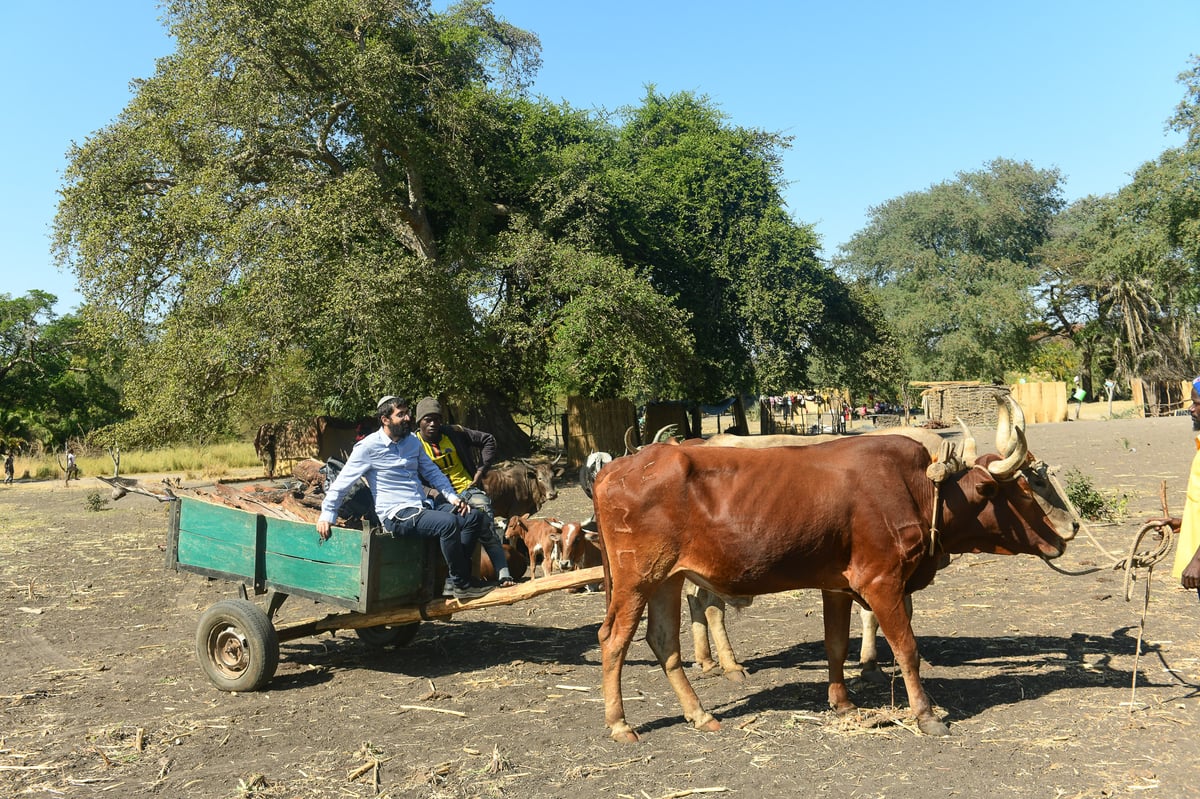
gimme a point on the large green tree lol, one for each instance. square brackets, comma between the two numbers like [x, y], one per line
[700, 211]
[1121, 270]
[286, 211]
[955, 268]
[312, 203]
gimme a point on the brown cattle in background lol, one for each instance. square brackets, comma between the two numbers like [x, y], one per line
[520, 487]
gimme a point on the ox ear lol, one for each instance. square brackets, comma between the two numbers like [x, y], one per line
[987, 487]
[556, 536]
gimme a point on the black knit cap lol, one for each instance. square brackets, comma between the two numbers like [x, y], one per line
[427, 407]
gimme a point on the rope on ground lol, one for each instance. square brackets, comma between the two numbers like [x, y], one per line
[1136, 559]
[1145, 560]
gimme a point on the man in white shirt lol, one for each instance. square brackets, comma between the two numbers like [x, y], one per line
[394, 464]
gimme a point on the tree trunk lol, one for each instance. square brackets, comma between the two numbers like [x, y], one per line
[511, 440]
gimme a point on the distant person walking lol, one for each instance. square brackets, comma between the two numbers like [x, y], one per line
[8, 468]
[72, 469]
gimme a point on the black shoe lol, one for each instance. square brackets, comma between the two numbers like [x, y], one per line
[472, 591]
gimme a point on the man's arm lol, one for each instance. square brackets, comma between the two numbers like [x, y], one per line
[356, 466]
[486, 442]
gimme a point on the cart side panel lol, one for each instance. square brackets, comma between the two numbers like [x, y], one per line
[216, 539]
[403, 571]
[295, 557]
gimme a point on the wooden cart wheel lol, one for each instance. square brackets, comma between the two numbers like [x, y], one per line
[237, 645]
[382, 635]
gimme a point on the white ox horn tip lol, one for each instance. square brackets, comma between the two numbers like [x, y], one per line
[968, 451]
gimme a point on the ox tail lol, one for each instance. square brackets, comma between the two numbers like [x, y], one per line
[607, 570]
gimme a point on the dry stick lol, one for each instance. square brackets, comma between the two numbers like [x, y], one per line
[433, 710]
[361, 770]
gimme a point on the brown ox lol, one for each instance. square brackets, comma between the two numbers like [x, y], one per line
[520, 487]
[861, 530]
[707, 610]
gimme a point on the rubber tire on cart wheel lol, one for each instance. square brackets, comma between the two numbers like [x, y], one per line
[382, 635]
[237, 645]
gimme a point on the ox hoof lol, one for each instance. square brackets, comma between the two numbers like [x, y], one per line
[624, 734]
[736, 675]
[707, 723]
[933, 726]
[874, 675]
[843, 708]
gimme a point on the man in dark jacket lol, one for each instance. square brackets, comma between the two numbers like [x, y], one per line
[452, 449]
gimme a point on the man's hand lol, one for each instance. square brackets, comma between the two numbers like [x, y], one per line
[460, 507]
[1191, 575]
[324, 529]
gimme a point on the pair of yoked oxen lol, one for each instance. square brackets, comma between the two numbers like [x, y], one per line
[851, 517]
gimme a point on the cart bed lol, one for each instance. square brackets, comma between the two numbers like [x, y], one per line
[353, 569]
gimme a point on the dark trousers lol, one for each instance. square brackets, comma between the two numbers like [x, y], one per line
[456, 535]
[488, 539]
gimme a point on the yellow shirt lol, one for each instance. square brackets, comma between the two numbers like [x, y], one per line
[1189, 533]
[445, 457]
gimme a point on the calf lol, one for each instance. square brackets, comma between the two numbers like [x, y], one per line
[518, 563]
[537, 538]
[577, 549]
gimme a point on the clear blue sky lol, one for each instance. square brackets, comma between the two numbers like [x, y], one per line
[881, 98]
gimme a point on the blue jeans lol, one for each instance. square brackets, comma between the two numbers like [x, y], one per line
[456, 535]
[482, 503]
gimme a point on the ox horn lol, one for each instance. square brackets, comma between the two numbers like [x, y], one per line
[968, 449]
[630, 445]
[1009, 417]
[670, 431]
[1010, 429]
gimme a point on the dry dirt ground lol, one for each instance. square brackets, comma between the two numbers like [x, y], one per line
[101, 694]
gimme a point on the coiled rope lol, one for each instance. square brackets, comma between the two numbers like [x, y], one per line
[1136, 559]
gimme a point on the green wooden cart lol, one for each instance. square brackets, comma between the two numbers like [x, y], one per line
[383, 586]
